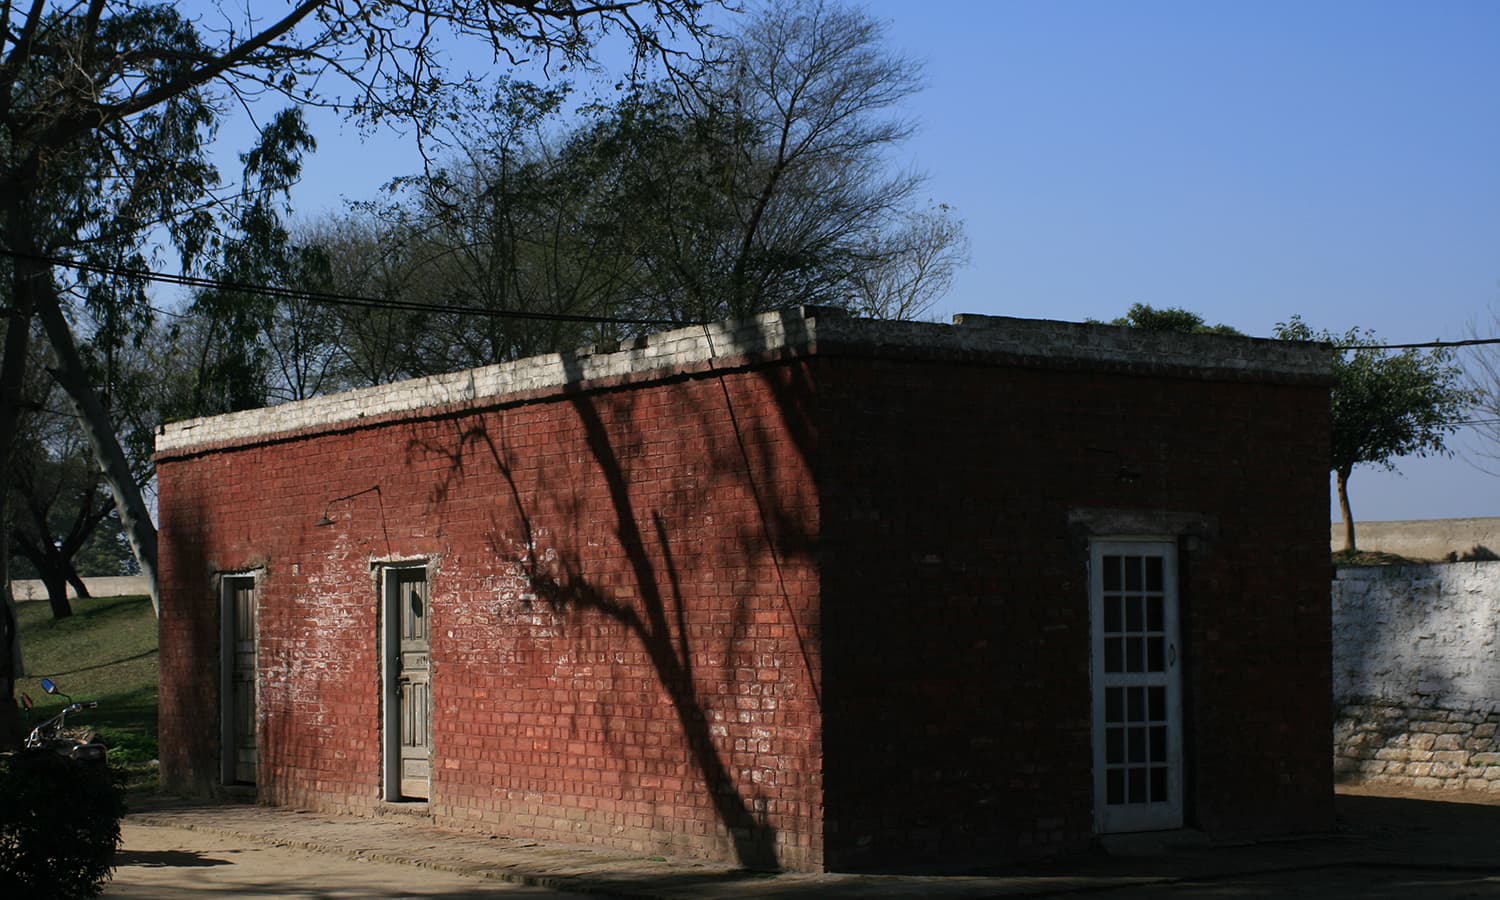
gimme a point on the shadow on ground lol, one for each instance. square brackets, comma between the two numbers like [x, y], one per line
[1407, 846]
[156, 859]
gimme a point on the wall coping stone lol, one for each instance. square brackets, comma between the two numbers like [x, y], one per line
[793, 332]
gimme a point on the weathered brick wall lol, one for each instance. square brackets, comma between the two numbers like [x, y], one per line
[796, 590]
[1416, 689]
[947, 499]
[622, 610]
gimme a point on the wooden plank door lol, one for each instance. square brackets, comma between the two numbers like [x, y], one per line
[241, 609]
[1137, 702]
[409, 694]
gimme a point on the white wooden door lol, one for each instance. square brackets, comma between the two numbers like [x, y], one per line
[240, 610]
[1137, 686]
[408, 720]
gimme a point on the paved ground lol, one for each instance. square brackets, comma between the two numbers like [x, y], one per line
[1407, 845]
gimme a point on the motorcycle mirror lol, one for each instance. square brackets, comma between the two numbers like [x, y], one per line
[48, 686]
[26, 701]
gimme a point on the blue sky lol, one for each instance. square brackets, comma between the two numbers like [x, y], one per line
[1247, 161]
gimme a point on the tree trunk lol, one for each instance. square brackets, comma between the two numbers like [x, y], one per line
[80, 587]
[70, 374]
[10, 661]
[1341, 476]
[56, 582]
[25, 275]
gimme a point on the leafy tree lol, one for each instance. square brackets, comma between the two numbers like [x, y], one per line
[105, 112]
[1171, 318]
[60, 506]
[768, 186]
[757, 190]
[257, 349]
[62, 519]
[1386, 404]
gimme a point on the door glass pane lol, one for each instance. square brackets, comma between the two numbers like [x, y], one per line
[1114, 704]
[1153, 565]
[1156, 656]
[1110, 566]
[1135, 611]
[1113, 651]
[1114, 751]
[1135, 791]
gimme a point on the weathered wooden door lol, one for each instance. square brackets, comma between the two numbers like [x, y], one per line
[1137, 686]
[240, 610]
[408, 722]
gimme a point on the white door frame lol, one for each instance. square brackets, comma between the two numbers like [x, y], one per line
[390, 651]
[1136, 673]
[229, 728]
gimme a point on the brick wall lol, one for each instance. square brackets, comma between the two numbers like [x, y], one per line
[800, 591]
[947, 542]
[622, 607]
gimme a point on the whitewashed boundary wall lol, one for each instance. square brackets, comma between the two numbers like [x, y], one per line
[1416, 675]
[1430, 539]
[99, 586]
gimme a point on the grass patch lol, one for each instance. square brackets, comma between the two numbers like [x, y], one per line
[105, 651]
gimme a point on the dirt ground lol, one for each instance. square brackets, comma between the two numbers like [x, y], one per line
[157, 863]
[1396, 844]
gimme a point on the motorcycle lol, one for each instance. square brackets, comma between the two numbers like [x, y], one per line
[81, 745]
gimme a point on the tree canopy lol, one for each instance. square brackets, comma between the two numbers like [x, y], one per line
[545, 229]
[1386, 404]
[106, 110]
[1171, 318]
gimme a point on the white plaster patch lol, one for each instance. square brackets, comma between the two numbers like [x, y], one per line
[1418, 636]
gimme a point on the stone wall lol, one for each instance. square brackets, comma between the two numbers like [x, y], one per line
[1416, 675]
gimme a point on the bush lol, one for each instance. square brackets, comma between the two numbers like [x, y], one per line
[59, 826]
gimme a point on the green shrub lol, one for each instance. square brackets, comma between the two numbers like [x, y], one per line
[59, 826]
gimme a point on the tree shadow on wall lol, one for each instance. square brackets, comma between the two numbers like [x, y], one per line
[563, 587]
[651, 607]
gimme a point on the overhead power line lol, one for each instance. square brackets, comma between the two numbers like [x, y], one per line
[335, 298]
[359, 301]
[1421, 345]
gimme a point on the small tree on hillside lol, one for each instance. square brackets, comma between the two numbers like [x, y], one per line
[1386, 404]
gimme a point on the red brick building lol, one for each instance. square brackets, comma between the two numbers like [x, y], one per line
[806, 590]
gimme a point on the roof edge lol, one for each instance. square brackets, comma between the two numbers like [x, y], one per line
[799, 331]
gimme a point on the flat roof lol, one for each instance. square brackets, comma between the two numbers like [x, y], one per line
[773, 335]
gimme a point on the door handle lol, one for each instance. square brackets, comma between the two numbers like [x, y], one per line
[1171, 654]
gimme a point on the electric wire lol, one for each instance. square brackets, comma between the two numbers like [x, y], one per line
[359, 301]
[339, 299]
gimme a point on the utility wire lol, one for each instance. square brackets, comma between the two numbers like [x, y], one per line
[356, 300]
[336, 299]
[1421, 345]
